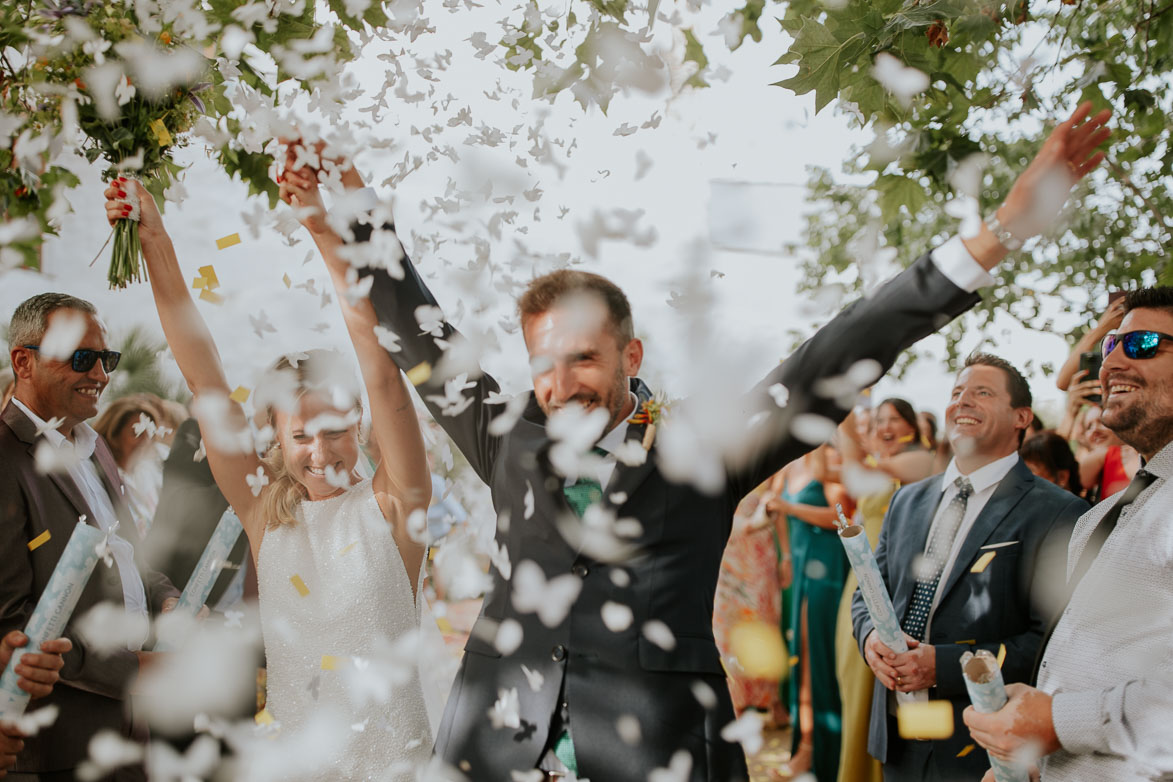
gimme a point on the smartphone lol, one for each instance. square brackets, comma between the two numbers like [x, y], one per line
[1091, 361]
[1113, 296]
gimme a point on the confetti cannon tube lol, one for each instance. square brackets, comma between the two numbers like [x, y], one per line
[983, 680]
[203, 577]
[871, 584]
[54, 608]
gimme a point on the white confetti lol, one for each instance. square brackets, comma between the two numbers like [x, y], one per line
[50, 458]
[659, 633]
[258, 481]
[551, 600]
[504, 712]
[66, 329]
[509, 637]
[627, 726]
[899, 79]
[534, 678]
[746, 730]
[617, 617]
[679, 767]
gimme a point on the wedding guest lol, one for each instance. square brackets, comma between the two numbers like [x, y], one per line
[38, 672]
[129, 425]
[1106, 463]
[1104, 701]
[38, 511]
[1048, 456]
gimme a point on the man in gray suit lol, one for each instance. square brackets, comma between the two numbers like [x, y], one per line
[971, 559]
[38, 511]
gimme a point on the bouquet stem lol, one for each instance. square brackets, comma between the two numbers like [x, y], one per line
[124, 263]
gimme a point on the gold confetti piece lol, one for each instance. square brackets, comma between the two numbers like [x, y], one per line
[299, 585]
[444, 625]
[214, 298]
[349, 547]
[925, 720]
[1001, 654]
[161, 133]
[420, 373]
[263, 717]
[224, 242]
[793, 661]
[240, 395]
[983, 562]
[39, 540]
[330, 662]
[968, 748]
[209, 274]
[970, 641]
[759, 650]
[285, 279]
[199, 282]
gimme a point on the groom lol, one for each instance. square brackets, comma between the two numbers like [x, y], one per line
[614, 672]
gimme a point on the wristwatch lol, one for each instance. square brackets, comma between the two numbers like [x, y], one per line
[1005, 238]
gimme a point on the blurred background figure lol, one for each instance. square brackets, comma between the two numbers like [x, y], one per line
[751, 589]
[131, 426]
[940, 448]
[1049, 457]
[882, 450]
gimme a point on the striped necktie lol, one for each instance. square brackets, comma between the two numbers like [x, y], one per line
[916, 618]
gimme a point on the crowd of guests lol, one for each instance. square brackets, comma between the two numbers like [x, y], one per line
[841, 718]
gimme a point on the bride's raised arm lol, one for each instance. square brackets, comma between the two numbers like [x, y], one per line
[222, 420]
[402, 481]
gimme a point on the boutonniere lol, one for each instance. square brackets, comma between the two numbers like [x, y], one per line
[649, 414]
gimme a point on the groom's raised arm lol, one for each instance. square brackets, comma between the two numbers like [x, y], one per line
[915, 303]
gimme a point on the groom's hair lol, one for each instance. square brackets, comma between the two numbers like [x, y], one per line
[544, 292]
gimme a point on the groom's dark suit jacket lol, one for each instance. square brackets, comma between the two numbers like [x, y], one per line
[1026, 523]
[93, 684]
[672, 577]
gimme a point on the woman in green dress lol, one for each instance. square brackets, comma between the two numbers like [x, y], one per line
[806, 517]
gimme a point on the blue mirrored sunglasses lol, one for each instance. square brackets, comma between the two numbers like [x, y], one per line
[83, 359]
[1137, 344]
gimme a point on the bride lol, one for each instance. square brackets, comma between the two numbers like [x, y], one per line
[337, 570]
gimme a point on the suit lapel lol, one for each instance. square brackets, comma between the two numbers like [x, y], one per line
[26, 432]
[921, 514]
[627, 478]
[1010, 490]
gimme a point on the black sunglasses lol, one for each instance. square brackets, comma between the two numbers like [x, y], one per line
[1137, 344]
[83, 359]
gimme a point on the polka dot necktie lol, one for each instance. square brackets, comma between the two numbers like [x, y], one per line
[941, 536]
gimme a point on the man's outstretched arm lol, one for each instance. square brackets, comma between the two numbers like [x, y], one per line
[915, 303]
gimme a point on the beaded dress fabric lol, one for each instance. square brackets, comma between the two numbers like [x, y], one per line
[340, 627]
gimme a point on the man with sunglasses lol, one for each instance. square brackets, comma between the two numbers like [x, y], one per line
[1103, 709]
[55, 471]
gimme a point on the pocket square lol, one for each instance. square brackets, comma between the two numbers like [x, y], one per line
[1003, 544]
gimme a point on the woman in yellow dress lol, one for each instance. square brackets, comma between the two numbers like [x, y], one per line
[886, 441]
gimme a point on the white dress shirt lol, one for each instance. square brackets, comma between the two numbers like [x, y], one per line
[1109, 663]
[89, 483]
[985, 482]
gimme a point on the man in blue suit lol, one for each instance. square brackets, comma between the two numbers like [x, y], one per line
[973, 560]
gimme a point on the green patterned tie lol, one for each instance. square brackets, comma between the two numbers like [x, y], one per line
[580, 495]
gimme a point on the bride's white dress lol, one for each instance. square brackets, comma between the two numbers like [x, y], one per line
[340, 626]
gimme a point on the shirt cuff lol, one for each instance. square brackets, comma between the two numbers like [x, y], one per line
[1079, 720]
[959, 267]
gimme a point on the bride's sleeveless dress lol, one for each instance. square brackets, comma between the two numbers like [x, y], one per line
[335, 599]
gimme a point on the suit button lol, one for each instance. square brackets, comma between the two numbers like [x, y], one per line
[580, 570]
[558, 654]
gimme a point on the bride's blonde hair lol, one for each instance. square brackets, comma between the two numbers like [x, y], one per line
[290, 379]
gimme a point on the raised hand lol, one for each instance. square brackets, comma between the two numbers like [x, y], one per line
[298, 187]
[121, 197]
[1067, 156]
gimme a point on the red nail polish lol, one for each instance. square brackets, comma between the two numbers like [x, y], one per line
[122, 194]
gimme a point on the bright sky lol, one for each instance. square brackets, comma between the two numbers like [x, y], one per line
[724, 165]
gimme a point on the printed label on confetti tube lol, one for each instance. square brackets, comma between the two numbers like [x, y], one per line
[871, 586]
[54, 608]
[983, 680]
[212, 561]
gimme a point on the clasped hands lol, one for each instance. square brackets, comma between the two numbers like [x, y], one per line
[910, 671]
